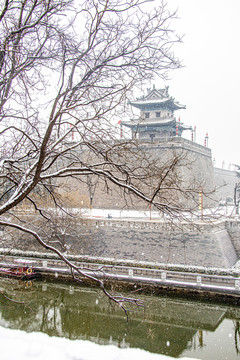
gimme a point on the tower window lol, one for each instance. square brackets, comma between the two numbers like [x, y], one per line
[158, 114]
[147, 115]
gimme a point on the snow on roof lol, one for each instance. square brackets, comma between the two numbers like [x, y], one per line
[158, 97]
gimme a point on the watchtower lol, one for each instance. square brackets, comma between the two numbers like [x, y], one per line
[157, 119]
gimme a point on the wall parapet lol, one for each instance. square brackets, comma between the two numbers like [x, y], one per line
[233, 223]
[156, 224]
[179, 142]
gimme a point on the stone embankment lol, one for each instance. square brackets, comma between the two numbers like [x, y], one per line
[191, 243]
[194, 258]
[197, 282]
[214, 244]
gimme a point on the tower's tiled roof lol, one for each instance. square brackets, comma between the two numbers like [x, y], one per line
[157, 99]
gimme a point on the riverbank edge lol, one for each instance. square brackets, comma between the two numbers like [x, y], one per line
[122, 262]
[128, 284]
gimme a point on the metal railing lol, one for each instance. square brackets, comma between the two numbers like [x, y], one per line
[222, 284]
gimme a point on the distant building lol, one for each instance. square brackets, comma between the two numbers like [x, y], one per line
[157, 118]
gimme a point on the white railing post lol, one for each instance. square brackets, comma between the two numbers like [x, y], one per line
[130, 272]
[237, 284]
[199, 280]
[163, 276]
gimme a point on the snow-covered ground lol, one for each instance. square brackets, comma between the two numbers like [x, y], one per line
[122, 214]
[17, 344]
[214, 213]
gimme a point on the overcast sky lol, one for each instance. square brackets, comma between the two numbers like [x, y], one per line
[209, 84]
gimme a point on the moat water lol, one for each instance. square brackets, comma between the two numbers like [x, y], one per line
[167, 326]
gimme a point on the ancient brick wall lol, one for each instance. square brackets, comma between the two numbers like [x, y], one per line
[195, 171]
[225, 183]
[233, 227]
[155, 242]
[191, 244]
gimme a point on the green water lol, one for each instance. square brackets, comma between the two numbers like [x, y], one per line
[167, 326]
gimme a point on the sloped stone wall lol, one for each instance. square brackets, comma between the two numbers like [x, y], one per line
[233, 227]
[191, 244]
[208, 246]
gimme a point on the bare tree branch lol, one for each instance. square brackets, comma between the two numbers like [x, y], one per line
[75, 270]
[67, 71]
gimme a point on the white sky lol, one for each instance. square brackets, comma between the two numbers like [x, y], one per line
[210, 81]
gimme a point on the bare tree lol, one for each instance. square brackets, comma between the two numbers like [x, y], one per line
[67, 70]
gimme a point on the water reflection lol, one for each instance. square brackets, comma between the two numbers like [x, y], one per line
[168, 326]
